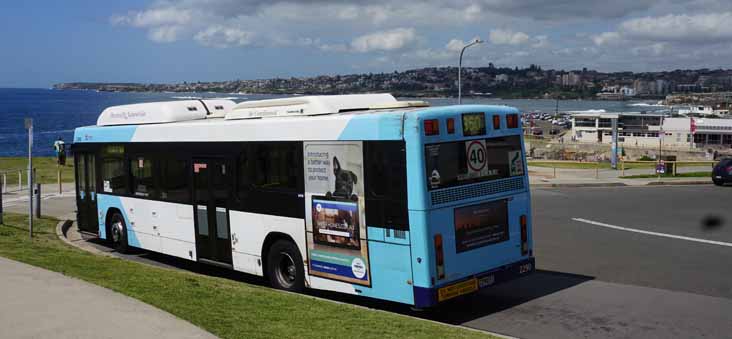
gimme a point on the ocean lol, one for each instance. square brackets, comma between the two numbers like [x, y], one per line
[56, 113]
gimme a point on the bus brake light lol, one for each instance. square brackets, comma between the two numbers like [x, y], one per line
[496, 122]
[431, 127]
[524, 235]
[512, 121]
[439, 257]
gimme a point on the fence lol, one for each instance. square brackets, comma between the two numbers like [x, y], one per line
[13, 180]
[599, 169]
[670, 167]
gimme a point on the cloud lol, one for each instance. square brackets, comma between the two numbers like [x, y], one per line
[507, 37]
[710, 27]
[164, 34]
[223, 37]
[567, 9]
[385, 40]
[455, 45]
[606, 38]
[154, 17]
[540, 41]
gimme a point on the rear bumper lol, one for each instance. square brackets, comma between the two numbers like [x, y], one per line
[428, 297]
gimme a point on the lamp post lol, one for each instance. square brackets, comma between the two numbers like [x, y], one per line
[460, 67]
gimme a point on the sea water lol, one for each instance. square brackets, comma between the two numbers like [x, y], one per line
[56, 113]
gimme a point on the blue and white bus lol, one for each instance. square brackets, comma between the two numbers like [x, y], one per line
[360, 194]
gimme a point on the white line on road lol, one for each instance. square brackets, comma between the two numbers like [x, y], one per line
[681, 237]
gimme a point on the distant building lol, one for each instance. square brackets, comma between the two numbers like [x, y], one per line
[703, 110]
[571, 79]
[639, 129]
[501, 77]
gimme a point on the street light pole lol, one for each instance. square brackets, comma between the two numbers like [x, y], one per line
[460, 67]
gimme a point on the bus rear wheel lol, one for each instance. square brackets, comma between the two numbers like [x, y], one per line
[118, 233]
[284, 266]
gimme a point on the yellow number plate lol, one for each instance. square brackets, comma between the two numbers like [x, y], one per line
[452, 291]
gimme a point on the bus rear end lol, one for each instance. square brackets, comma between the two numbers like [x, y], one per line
[469, 203]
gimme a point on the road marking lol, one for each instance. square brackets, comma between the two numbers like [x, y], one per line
[672, 236]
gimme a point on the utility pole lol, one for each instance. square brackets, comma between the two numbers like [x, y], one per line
[460, 67]
[614, 155]
[29, 127]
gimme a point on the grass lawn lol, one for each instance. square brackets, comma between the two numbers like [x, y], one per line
[668, 175]
[226, 308]
[45, 170]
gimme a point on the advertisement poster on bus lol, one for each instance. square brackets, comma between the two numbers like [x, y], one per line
[481, 225]
[334, 212]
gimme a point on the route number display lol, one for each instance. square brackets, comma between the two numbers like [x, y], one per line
[473, 124]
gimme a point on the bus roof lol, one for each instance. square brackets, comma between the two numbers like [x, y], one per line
[376, 124]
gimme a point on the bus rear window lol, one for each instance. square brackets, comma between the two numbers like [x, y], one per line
[470, 161]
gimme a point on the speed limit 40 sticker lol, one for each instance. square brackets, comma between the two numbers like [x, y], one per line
[476, 157]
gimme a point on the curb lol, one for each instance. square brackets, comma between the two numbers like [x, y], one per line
[599, 184]
[62, 229]
[678, 183]
[619, 184]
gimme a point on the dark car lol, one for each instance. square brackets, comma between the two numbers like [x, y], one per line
[722, 172]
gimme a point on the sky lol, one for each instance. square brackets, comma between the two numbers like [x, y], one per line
[162, 41]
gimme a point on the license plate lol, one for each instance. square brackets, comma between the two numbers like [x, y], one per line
[487, 281]
[452, 291]
[718, 177]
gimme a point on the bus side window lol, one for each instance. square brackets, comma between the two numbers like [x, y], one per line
[174, 180]
[244, 174]
[274, 166]
[385, 182]
[141, 173]
[114, 178]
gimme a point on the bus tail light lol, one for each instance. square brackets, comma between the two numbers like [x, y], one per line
[450, 125]
[729, 170]
[524, 235]
[496, 122]
[439, 257]
[512, 121]
[431, 127]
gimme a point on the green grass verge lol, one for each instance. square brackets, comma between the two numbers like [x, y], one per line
[667, 175]
[225, 308]
[45, 170]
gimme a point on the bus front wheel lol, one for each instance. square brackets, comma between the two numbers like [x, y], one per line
[118, 233]
[284, 266]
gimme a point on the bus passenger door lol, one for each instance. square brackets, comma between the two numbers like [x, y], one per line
[86, 196]
[212, 186]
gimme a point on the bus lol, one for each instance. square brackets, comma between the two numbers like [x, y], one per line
[359, 194]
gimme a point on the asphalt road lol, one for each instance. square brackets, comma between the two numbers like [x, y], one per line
[602, 282]
[618, 262]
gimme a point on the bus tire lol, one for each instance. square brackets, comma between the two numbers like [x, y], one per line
[118, 233]
[284, 266]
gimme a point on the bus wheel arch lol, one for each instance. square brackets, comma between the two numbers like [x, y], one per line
[277, 250]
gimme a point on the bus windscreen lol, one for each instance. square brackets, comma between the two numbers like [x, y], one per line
[470, 161]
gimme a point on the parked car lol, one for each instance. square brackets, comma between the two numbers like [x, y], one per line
[722, 172]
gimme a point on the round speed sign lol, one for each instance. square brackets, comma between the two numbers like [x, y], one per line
[476, 155]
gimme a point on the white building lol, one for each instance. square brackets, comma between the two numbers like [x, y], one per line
[703, 110]
[637, 129]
